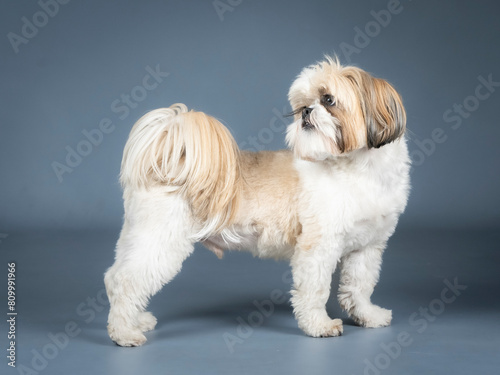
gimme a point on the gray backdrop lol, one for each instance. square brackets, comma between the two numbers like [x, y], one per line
[77, 75]
[236, 62]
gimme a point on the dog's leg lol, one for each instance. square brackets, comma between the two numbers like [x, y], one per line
[359, 275]
[312, 275]
[152, 246]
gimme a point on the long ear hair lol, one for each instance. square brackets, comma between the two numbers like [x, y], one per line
[382, 108]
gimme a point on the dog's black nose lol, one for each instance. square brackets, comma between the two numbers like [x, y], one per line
[306, 112]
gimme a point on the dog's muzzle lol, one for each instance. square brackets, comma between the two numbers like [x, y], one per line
[306, 122]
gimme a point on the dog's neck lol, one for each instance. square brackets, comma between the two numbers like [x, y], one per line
[368, 160]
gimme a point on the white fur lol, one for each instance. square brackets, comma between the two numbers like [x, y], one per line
[368, 191]
[354, 201]
[154, 242]
[313, 145]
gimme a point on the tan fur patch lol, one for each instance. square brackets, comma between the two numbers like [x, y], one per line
[214, 189]
[269, 196]
[192, 153]
[310, 236]
[382, 107]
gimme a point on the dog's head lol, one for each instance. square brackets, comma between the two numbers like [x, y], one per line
[339, 109]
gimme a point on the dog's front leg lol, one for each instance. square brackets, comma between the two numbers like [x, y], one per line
[359, 275]
[312, 275]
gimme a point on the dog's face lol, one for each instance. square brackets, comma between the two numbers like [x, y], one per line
[341, 109]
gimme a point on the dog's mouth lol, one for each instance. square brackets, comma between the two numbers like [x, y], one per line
[306, 125]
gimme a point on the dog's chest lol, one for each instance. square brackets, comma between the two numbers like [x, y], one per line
[353, 208]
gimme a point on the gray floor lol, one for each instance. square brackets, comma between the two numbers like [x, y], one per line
[203, 314]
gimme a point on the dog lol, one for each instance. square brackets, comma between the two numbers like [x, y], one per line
[334, 197]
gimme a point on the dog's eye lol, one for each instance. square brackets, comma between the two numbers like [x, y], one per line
[328, 100]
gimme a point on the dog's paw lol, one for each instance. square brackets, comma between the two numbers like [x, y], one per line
[326, 328]
[374, 317]
[333, 328]
[126, 337]
[146, 321]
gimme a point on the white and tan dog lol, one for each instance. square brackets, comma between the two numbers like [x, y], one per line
[336, 197]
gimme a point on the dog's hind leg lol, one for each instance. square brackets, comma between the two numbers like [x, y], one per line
[154, 242]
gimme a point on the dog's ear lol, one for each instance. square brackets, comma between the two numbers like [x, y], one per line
[383, 110]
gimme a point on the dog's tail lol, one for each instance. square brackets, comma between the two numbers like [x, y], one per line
[191, 153]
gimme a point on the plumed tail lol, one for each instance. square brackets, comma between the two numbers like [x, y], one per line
[193, 154]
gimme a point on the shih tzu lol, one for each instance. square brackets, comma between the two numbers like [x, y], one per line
[335, 197]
